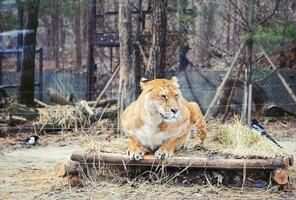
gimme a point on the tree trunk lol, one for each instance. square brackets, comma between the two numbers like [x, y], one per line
[183, 41]
[249, 51]
[206, 31]
[91, 51]
[160, 29]
[26, 89]
[157, 56]
[77, 32]
[55, 32]
[126, 92]
[138, 60]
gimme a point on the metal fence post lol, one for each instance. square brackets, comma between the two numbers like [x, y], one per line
[41, 74]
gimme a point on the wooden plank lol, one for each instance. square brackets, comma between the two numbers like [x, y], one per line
[192, 162]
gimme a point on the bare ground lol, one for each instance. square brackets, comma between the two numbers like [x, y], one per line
[28, 173]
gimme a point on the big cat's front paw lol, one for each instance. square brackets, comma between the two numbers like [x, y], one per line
[135, 155]
[163, 154]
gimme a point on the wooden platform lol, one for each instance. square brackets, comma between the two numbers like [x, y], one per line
[190, 162]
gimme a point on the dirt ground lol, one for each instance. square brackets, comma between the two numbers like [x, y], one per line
[28, 173]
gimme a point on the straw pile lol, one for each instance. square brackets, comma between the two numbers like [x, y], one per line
[240, 141]
[63, 116]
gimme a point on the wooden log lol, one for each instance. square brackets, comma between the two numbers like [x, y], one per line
[103, 103]
[192, 162]
[69, 169]
[281, 177]
[75, 181]
[57, 98]
[103, 113]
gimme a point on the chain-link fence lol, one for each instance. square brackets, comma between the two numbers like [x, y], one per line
[202, 38]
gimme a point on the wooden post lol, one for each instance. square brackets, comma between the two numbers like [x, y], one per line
[282, 79]
[211, 108]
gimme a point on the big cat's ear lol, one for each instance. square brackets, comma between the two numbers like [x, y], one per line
[175, 81]
[143, 83]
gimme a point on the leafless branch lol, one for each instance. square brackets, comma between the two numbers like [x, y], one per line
[273, 12]
[135, 7]
[243, 26]
[236, 18]
[240, 12]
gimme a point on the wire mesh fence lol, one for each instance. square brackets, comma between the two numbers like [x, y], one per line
[202, 38]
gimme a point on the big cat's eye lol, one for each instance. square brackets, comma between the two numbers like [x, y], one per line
[163, 97]
[177, 95]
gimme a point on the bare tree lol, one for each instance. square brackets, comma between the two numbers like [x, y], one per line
[126, 92]
[26, 89]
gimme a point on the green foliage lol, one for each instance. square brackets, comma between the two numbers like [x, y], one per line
[270, 36]
[68, 8]
[291, 31]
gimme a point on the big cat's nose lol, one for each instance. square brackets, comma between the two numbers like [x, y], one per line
[175, 110]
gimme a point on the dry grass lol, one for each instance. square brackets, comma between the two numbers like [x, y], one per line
[64, 116]
[239, 140]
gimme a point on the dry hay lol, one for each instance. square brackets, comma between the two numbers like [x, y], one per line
[240, 141]
[64, 116]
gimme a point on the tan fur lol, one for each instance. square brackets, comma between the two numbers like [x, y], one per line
[161, 120]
